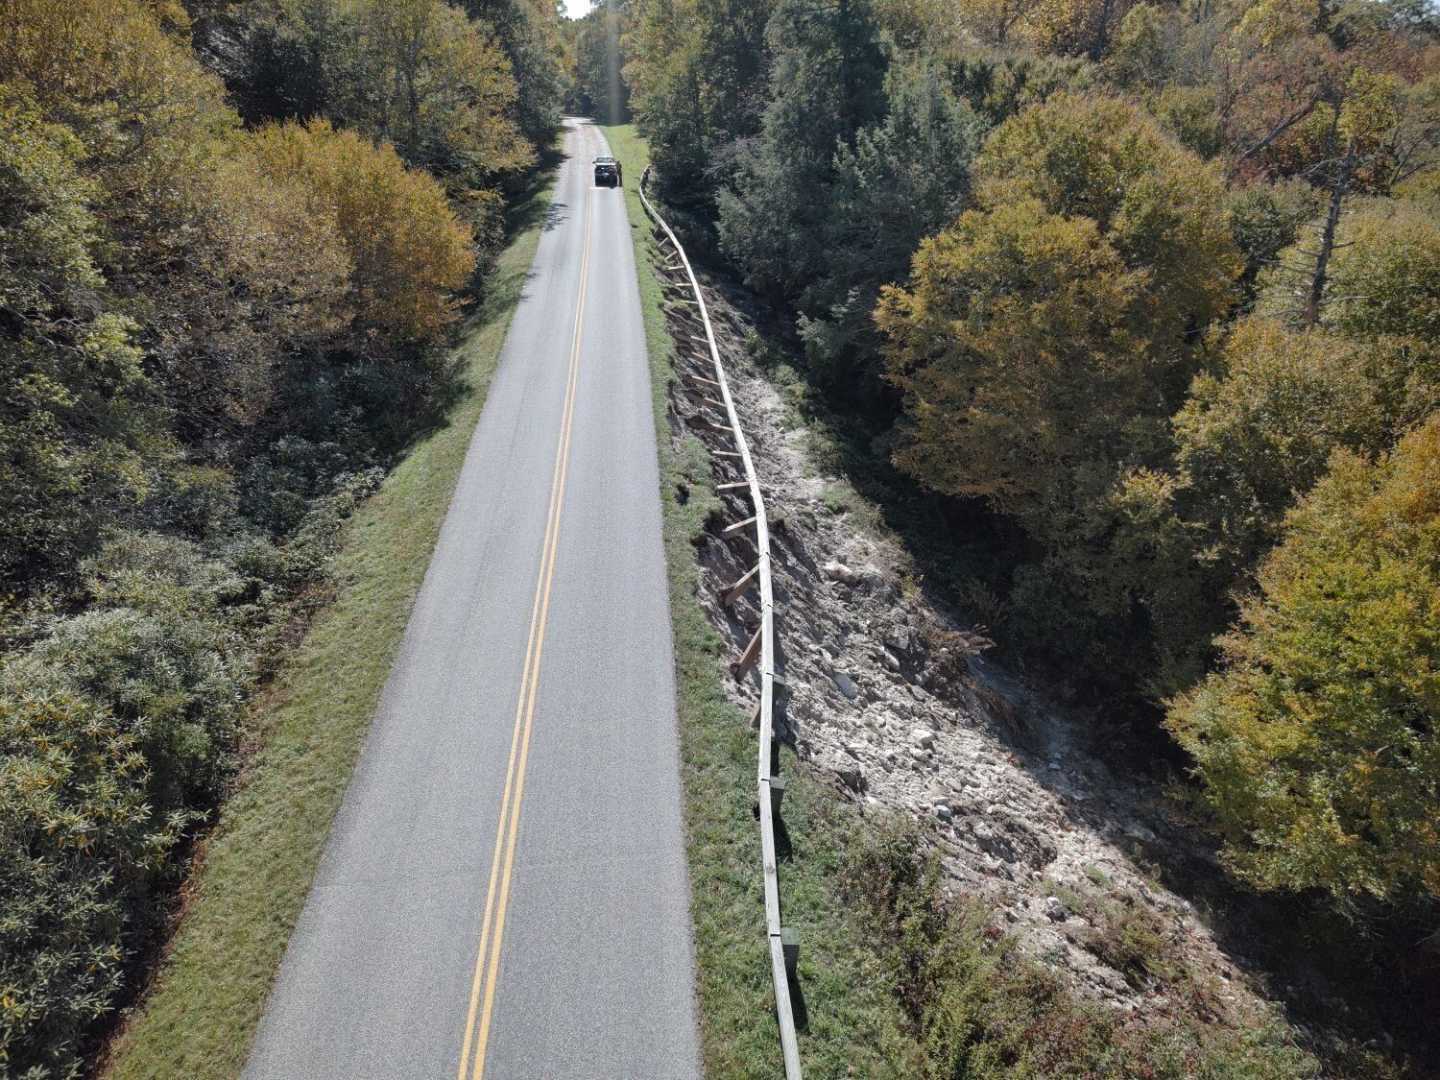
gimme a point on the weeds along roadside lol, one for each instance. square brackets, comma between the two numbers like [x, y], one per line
[855, 1025]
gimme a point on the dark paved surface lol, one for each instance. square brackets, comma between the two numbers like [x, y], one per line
[594, 975]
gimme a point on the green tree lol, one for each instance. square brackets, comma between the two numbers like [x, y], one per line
[1145, 46]
[599, 89]
[904, 179]
[1385, 277]
[1316, 743]
[698, 73]
[529, 32]
[1257, 431]
[827, 83]
[78, 846]
[437, 85]
[667, 78]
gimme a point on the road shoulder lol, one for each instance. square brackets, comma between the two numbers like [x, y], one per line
[855, 1024]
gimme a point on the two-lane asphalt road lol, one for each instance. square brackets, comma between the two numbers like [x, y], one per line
[504, 892]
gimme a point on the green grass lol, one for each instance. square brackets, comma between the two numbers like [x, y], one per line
[856, 1025]
[199, 1018]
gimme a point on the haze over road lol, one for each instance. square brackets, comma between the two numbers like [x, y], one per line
[520, 786]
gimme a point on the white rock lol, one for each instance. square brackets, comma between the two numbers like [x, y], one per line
[845, 684]
[923, 737]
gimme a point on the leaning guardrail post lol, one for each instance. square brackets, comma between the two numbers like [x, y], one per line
[784, 945]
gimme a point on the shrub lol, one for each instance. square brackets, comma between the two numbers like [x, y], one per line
[80, 851]
[986, 1012]
[118, 731]
[159, 575]
[170, 682]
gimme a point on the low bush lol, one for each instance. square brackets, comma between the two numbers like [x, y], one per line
[171, 682]
[81, 849]
[985, 1012]
[119, 732]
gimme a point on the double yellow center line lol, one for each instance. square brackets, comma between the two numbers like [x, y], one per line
[492, 928]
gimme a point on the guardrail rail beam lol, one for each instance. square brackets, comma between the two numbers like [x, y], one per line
[784, 946]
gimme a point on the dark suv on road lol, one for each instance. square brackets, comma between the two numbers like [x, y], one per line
[607, 172]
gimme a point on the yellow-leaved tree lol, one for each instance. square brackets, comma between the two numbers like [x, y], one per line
[409, 252]
[1318, 740]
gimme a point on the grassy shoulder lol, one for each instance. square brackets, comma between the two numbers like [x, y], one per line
[199, 1018]
[856, 1026]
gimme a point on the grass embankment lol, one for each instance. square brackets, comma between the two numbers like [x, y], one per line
[856, 1025]
[898, 981]
[200, 1017]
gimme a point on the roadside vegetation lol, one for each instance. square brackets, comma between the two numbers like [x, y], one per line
[1132, 307]
[227, 311]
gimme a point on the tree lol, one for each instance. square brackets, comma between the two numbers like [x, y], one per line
[1041, 345]
[1316, 743]
[1385, 278]
[1257, 432]
[827, 81]
[437, 85]
[1075, 27]
[78, 847]
[409, 252]
[529, 32]
[1161, 208]
[1265, 219]
[599, 90]
[421, 74]
[667, 76]
[76, 410]
[1013, 344]
[905, 178]
[1382, 276]
[1145, 46]
[1273, 66]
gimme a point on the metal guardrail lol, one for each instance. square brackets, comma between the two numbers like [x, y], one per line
[770, 788]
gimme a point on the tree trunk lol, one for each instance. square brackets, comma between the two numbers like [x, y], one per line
[1338, 192]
